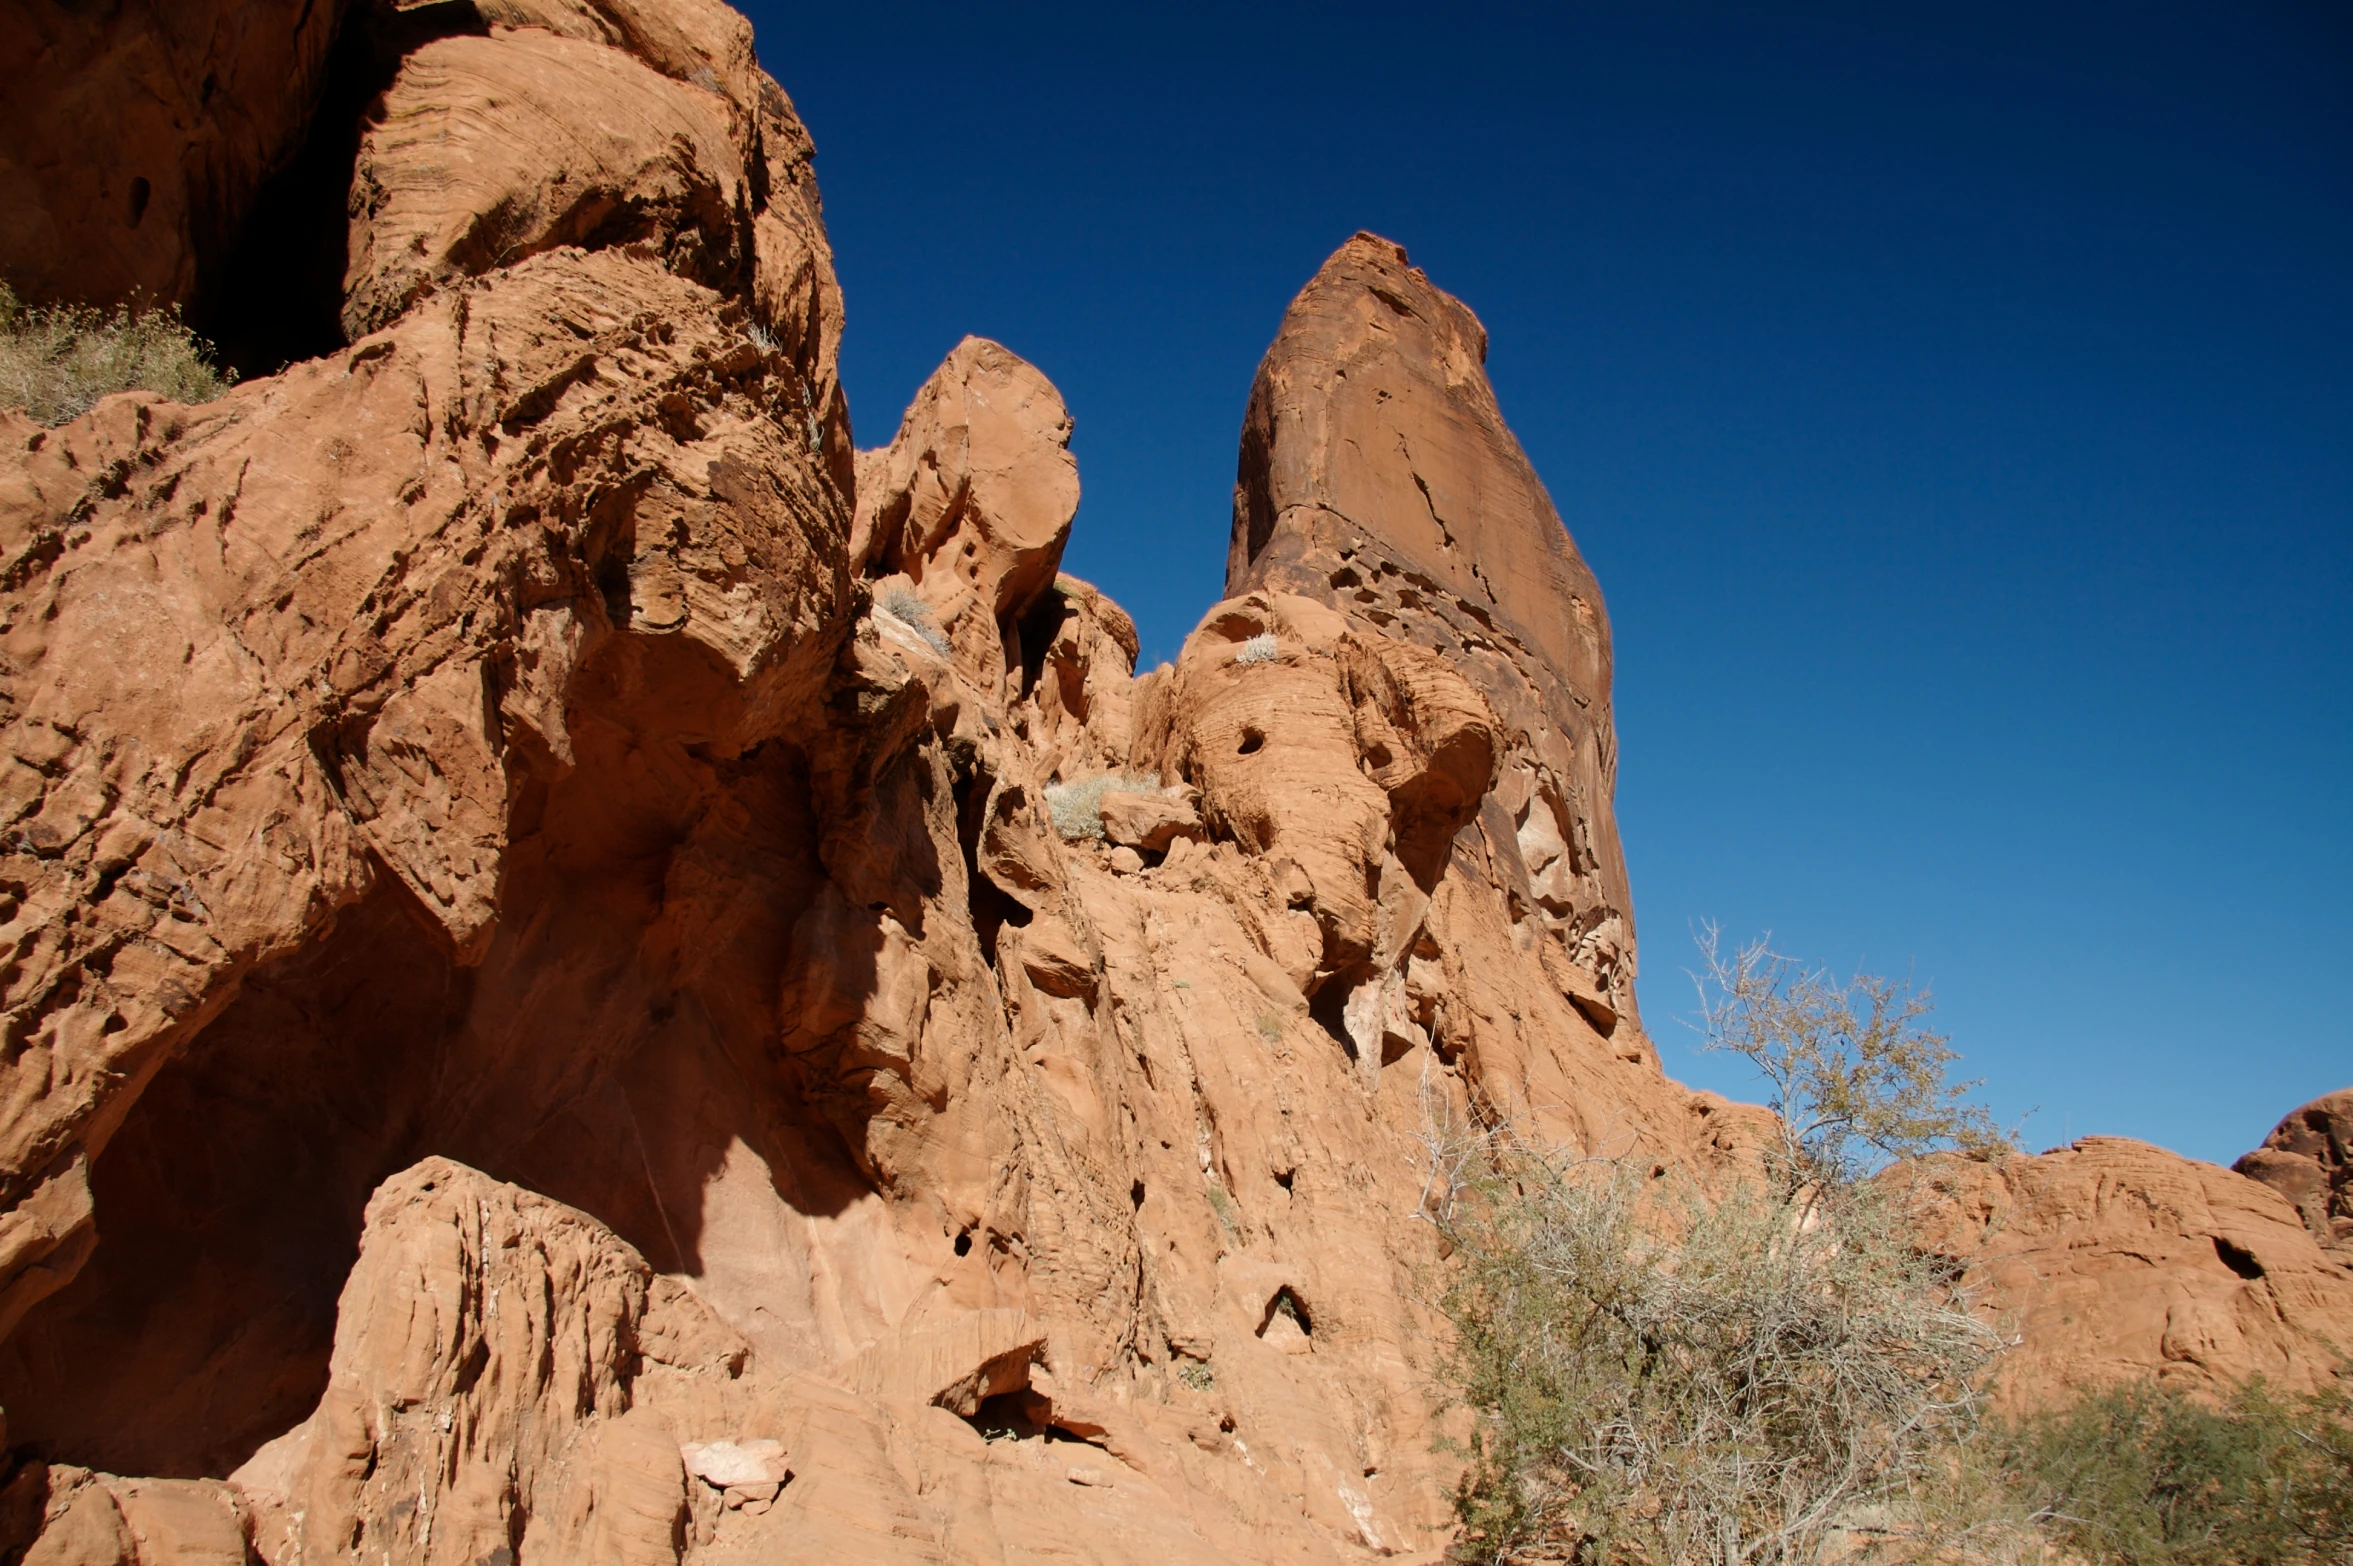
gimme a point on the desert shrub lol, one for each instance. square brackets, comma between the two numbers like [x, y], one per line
[1855, 1080]
[1077, 806]
[1261, 648]
[1765, 1374]
[2147, 1475]
[1663, 1378]
[901, 604]
[56, 361]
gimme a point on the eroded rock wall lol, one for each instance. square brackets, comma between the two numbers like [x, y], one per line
[596, 976]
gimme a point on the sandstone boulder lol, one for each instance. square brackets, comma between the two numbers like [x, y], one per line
[1149, 821]
[2308, 1158]
[487, 150]
[972, 501]
[2112, 1260]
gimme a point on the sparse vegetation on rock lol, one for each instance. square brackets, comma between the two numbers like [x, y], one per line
[56, 361]
[1077, 806]
[901, 604]
[1666, 1373]
[2144, 1474]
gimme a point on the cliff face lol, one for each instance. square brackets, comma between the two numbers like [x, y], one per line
[596, 976]
[1378, 476]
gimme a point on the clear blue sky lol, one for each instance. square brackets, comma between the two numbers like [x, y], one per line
[1956, 402]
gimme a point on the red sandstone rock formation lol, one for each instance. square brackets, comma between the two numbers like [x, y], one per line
[2111, 1259]
[1378, 476]
[550, 1018]
[2308, 1158]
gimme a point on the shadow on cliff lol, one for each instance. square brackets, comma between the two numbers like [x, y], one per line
[616, 1046]
[272, 293]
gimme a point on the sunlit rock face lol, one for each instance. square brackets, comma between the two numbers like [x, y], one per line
[598, 976]
[1378, 476]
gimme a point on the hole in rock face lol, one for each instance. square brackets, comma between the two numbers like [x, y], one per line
[2237, 1258]
[964, 1243]
[1328, 1008]
[992, 907]
[1252, 742]
[579, 1059]
[1021, 1415]
[1286, 1305]
[1036, 631]
[141, 193]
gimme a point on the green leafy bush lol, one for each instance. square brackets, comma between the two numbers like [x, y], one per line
[2145, 1475]
[56, 361]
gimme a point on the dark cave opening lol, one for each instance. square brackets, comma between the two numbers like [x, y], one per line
[229, 1209]
[273, 294]
[1327, 1006]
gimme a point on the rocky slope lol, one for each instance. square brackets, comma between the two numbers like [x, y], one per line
[597, 976]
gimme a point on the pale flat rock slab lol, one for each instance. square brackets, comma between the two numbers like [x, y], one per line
[1149, 822]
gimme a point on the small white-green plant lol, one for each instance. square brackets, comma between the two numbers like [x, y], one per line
[901, 604]
[1261, 648]
[1077, 806]
[56, 361]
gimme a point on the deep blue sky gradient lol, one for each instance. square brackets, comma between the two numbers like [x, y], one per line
[1956, 403]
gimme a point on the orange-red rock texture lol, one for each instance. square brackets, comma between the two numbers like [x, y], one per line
[596, 976]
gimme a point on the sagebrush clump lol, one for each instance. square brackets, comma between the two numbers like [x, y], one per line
[1262, 648]
[1664, 1376]
[901, 604]
[56, 361]
[1077, 807]
[1765, 1373]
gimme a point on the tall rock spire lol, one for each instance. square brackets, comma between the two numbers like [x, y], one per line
[1377, 475]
